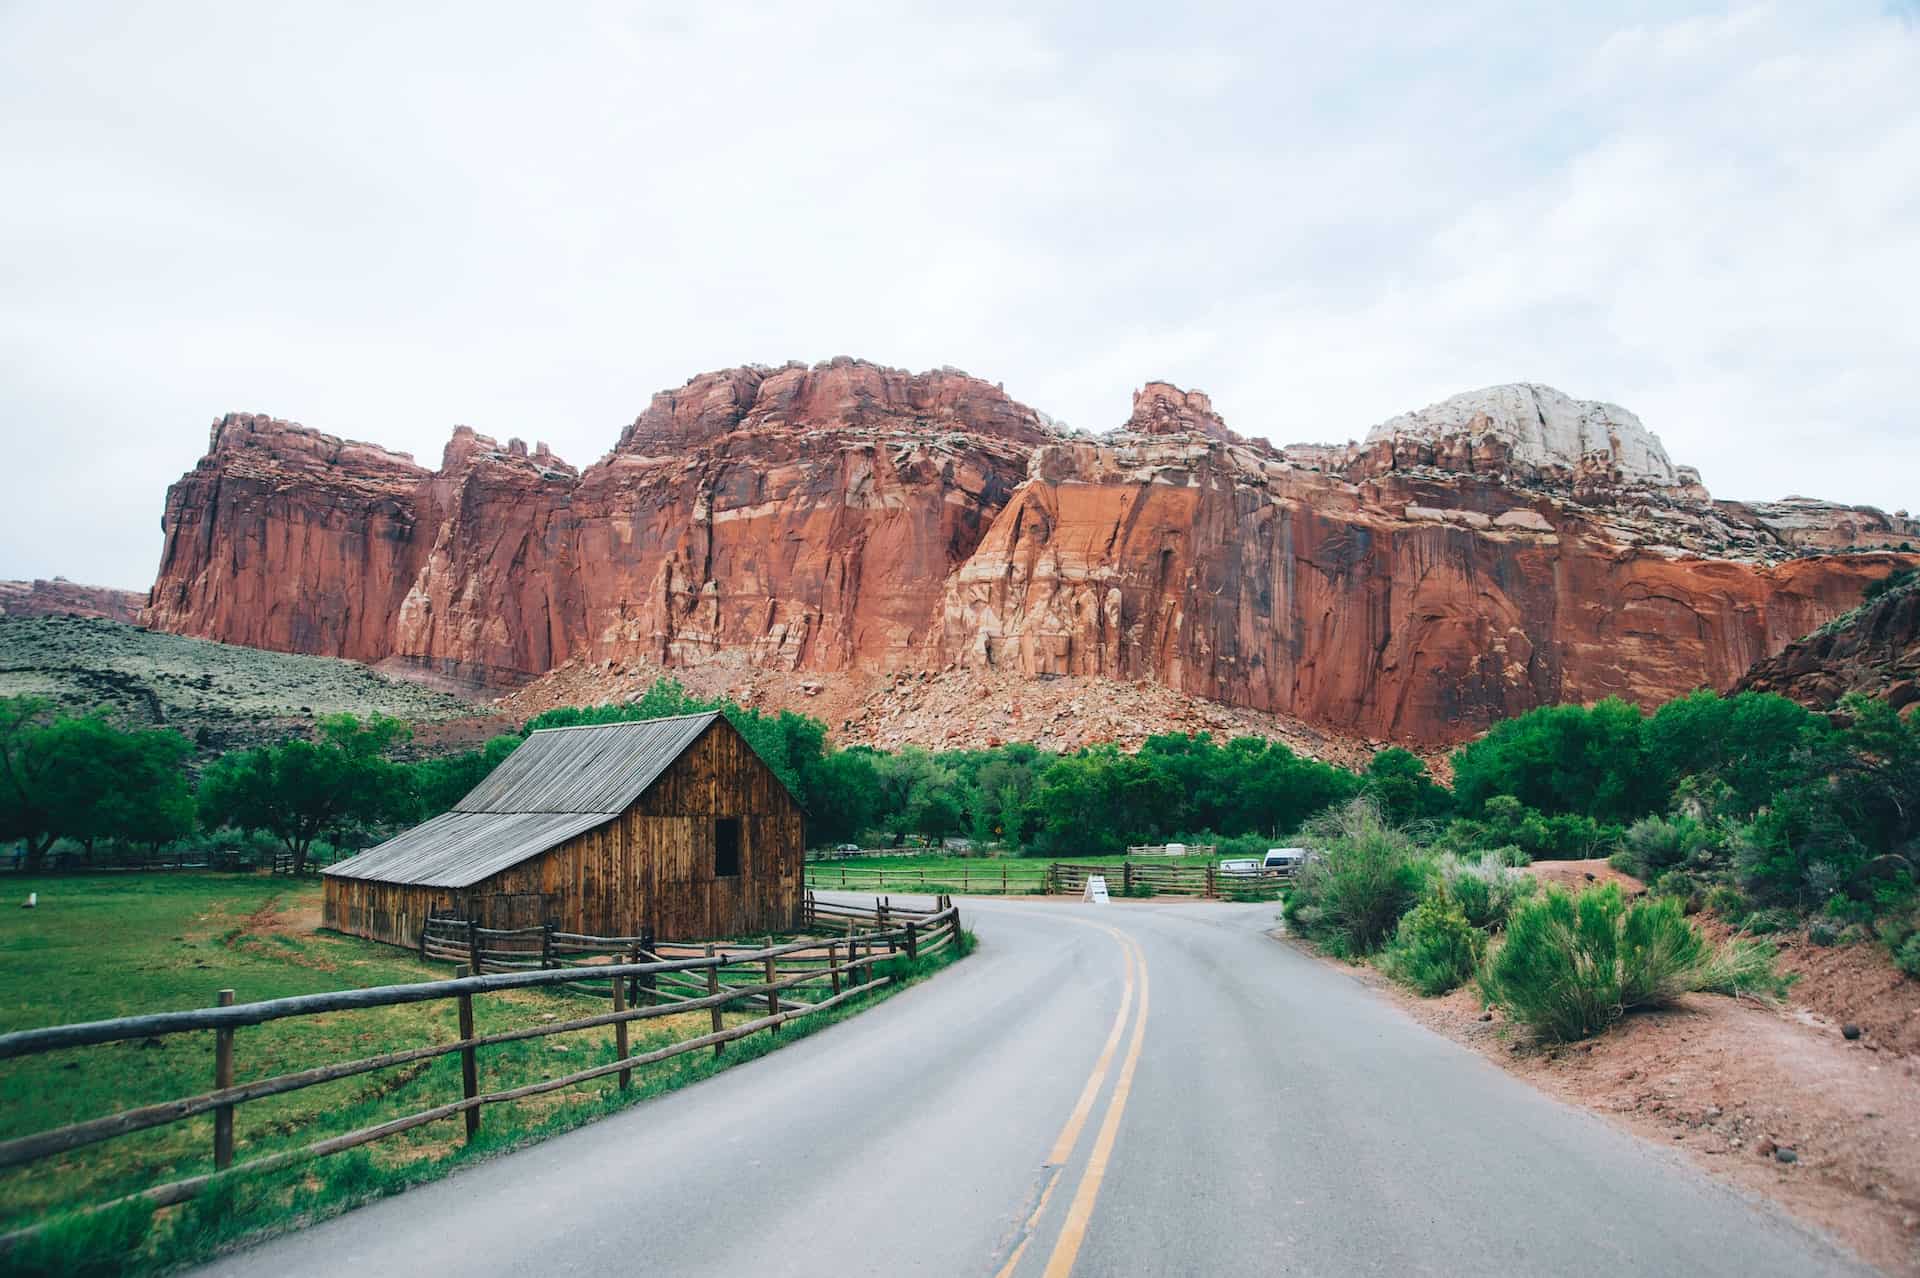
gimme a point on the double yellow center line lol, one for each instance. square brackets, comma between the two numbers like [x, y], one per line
[1066, 1248]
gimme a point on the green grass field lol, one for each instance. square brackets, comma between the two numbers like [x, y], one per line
[114, 945]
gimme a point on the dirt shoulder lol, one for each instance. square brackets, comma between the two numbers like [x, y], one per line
[1776, 1101]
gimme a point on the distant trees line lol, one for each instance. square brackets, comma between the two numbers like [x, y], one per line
[1805, 801]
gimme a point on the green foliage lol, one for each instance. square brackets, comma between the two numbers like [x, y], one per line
[1397, 780]
[1899, 579]
[1435, 949]
[83, 1244]
[1506, 822]
[81, 778]
[300, 789]
[1768, 921]
[1366, 875]
[1725, 901]
[1653, 845]
[1584, 760]
[1571, 965]
[1484, 888]
[1907, 957]
[1740, 751]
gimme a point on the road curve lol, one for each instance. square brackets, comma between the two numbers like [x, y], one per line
[1137, 1088]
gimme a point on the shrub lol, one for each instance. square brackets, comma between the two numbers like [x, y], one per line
[1483, 889]
[1435, 949]
[1726, 901]
[1655, 844]
[1907, 959]
[1571, 965]
[1683, 887]
[1767, 922]
[1367, 875]
[1825, 932]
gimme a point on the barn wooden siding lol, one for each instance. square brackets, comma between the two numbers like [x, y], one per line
[649, 868]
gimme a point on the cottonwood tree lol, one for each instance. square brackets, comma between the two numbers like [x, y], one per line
[300, 789]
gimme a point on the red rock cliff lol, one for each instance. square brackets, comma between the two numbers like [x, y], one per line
[1505, 549]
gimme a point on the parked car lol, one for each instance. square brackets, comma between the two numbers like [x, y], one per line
[847, 847]
[1240, 867]
[1285, 859]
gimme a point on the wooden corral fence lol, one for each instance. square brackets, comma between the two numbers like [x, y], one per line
[1130, 878]
[1167, 849]
[1136, 878]
[987, 878]
[781, 982]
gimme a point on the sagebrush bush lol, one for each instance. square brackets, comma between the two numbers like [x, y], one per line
[1572, 965]
[1435, 949]
[1483, 888]
[1367, 875]
[1655, 844]
[1907, 958]
[1768, 921]
[1725, 900]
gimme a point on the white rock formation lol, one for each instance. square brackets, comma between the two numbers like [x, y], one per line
[1543, 430]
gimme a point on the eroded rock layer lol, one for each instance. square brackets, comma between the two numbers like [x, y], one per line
[1506, 549]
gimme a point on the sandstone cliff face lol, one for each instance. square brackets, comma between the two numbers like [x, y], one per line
[61, 597]
[1498, 552]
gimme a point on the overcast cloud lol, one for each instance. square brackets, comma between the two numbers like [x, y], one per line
[384, 220]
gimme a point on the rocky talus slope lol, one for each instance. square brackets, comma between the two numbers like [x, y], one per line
[848, 522]
[1874, 649]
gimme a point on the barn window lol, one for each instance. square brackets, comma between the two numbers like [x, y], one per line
[726, 848]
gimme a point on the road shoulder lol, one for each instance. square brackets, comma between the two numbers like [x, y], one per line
[1774, 1102]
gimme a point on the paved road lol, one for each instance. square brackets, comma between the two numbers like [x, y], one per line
[1140, 1088]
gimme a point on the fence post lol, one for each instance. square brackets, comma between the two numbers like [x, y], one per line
[425, 927]
[773, 995]
[223, 1078]
[913, 940]
[1212, 888]
[833, 965]
[620, 1029]
[546, 945]
[1126, 878]
[469, 1062]
[713, 990]
[651, 981]
[473, 946]
[955, 924]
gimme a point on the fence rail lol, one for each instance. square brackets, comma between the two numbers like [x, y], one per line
[1130, 878]
[1007, 878]
[780, 982]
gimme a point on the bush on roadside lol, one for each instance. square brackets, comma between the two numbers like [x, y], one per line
[1484, 889]
[1767, 922]
[1726, 902]
[1367, 875]
[1572, 965]
[1435, 949]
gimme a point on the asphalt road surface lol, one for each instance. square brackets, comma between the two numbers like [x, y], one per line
[1136, 1088]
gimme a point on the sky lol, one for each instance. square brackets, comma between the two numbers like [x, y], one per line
[381, 220]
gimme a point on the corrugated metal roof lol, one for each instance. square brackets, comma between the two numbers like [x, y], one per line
[458, 849]
[597, 769]
[559, 782]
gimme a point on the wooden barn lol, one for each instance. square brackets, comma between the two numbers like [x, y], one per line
[673, 826]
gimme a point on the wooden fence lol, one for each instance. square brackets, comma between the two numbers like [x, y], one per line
[1130, 878]
[987, 878]
[786, 981]
[1165, 849]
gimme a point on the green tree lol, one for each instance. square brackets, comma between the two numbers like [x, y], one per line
[1397, 780]
[108, 784]
[300, 789]
[1584, 760]
[27, 766]
[440, 783]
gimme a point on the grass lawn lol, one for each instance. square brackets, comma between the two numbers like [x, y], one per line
[115, 945]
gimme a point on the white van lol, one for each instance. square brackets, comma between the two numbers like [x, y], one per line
[1284, 859]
